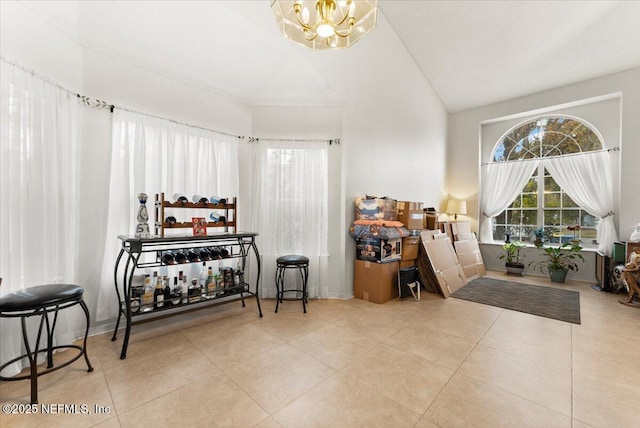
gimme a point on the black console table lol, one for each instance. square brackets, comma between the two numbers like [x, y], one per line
[139, 253]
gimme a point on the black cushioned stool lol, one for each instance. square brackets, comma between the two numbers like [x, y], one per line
[292, 261]
[40, 301]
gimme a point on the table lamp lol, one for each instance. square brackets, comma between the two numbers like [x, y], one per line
[456, 207]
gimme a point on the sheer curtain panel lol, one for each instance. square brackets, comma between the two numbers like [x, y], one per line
[39, 208]
[586, 178]
[291, 210]
[153, 155]
[501, 183]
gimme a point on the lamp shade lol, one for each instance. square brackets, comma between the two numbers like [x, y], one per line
[456, 207]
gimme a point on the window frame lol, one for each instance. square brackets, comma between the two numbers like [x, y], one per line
[524, 231]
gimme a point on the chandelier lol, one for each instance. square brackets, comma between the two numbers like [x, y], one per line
[325, 24]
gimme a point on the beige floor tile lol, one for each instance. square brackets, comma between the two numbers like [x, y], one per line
[135, 381]
[268, 423]
[378, 325]
[439, 348]
[227, 347]
[604, 405]
[536, 338]
[329, 309]
[288, 325]
[276, 377]
[212, 400]
[335, 346]
[466, 402]
[577, 424]
[80, 396]
[540, 383]
[405, 378]
[425, 423]
[344, 402]
[607, 358]
[109, 423]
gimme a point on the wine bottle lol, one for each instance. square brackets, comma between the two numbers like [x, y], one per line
[168, 258]
[180, 257]
[202, 279]
[204, 254]
[147, 297]
[217, 218]
[194, 291]
[218, 200]
[193, 255]
[185, 288]
[167, 291]
[176, 294]
[158, 296]
[211, 285]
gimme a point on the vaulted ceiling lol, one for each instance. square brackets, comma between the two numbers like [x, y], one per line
[473, 53]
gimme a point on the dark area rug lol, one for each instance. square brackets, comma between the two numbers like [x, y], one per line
[563, 305]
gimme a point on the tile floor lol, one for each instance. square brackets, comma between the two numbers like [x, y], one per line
[434, 363]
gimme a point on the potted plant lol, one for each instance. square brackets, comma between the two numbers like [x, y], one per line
[559, 261]
[512, 255]
[539, 234]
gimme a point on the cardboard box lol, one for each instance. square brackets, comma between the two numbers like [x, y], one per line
[411, 215]
[408, 263]
[410, 247]
[376, 282]
[378, 250]
[376, 209]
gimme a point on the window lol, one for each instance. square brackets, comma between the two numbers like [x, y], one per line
[542, 202]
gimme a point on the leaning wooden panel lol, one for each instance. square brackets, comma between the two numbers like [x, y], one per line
[425, 271]
[470, 257]
[441, 254]
[468, 263]
[452, 279]
[444, 263]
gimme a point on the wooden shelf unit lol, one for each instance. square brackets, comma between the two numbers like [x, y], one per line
[230, 209]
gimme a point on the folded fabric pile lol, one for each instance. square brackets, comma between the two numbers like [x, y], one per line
[377, 218]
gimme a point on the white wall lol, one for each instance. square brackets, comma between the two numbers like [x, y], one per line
[463, 155]
[394, 127]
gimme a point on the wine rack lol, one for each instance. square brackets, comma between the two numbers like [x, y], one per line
[140, 253]
[230, 209]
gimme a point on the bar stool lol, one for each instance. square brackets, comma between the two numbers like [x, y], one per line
[292, 261]
[40, 301]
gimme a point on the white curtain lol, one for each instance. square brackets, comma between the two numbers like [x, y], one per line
[586, 178]
[291, 210]
[154, 155]
[39, 194]
[501, 183]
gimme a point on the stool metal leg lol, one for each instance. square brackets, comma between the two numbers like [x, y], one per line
[304, 288]
[86, 334]
[279, 285]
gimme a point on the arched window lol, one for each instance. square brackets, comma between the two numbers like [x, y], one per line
[542, 203]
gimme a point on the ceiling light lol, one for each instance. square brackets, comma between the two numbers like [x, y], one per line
[325, 24]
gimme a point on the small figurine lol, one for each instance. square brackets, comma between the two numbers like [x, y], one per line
[142, 229]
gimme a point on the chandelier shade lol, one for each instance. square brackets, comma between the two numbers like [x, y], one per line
[325, 24]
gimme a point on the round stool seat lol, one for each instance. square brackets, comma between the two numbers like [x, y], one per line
[292, 259]
[40, 296]
[40, 301]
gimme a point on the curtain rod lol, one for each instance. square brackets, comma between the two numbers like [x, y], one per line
[100, 104]
[332, 141]
[612, 149]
